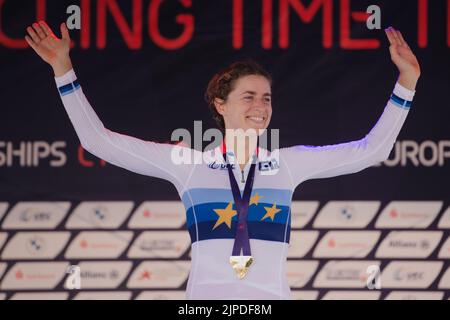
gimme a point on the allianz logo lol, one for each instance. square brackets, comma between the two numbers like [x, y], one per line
[343, 274]
[150, 245]
[112, 274]
[424, 244]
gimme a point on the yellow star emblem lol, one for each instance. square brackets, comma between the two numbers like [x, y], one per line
[225, 215]
[255, 199]
[271, 212]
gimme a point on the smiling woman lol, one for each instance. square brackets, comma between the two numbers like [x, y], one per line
[232, 83]
[239, 98]
[238, 218]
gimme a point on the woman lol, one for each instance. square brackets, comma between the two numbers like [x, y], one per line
[238, 217]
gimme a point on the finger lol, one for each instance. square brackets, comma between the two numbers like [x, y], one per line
[33, 35]
[402, 39]
[389, 35]
[397, 39]
[64, 31]
[30, 42]
[45, 28]
[39, 31]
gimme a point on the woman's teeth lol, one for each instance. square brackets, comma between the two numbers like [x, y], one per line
[257, 119]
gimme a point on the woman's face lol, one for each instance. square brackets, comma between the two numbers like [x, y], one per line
[249, 105]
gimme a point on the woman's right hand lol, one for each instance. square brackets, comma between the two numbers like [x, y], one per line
[51, 49]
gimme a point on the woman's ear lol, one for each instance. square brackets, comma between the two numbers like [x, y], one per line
[220, 105]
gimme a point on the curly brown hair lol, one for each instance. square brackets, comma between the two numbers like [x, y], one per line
[223, 82]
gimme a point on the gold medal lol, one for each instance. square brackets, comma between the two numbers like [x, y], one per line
[241, 264]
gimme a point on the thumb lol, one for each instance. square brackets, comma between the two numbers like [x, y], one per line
[64, 31]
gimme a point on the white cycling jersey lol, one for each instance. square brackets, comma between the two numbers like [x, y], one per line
[206, 194]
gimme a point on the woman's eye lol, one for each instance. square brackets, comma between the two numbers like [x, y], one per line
[267, 100]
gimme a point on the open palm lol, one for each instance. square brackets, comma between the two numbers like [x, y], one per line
[44, 42]
[401, 53]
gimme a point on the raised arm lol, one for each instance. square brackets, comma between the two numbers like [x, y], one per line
[143, 157]
[311, 162]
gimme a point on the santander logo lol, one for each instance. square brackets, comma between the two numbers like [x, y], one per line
[19, 274]
[83, 244]
[331, 243]
[147, 213]
[393, 214]
[145, 275]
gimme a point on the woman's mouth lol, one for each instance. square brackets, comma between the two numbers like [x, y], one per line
[256, 119]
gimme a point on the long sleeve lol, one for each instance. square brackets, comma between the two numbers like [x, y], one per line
[143, 157]
[312, 162]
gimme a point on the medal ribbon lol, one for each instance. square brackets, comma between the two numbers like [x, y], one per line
[241, 240]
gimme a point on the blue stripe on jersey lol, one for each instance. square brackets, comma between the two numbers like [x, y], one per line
[195, 196]
[69, 88]
[405, 104]
[256, 230]
[205, 212]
